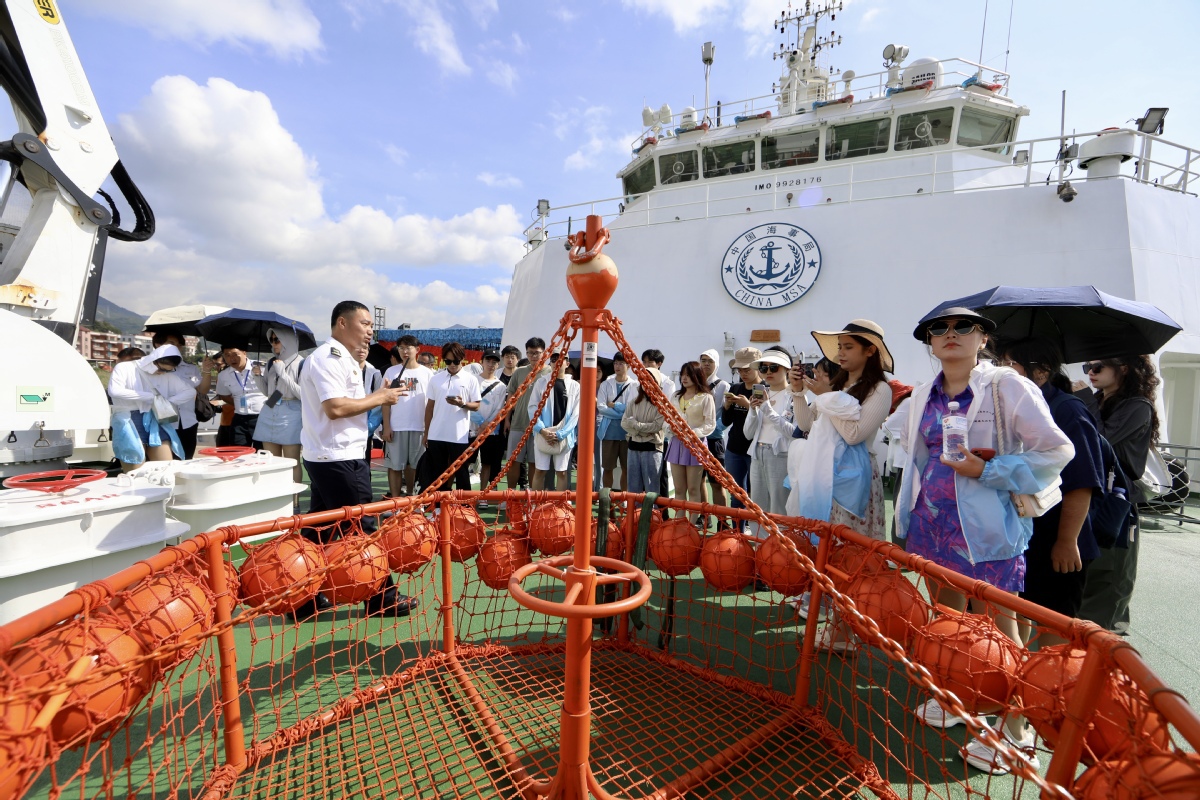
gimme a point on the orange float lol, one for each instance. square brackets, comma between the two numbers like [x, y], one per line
[289, 562]
[781, 570]
[467, 531]
[410, 540]
[358, 566]
[98, 705]
[656, 519]
[675, 547]
[552, 528]
[19, 745]
[614, 543]
[197, 566]
[1163, 776]
[968, 655]
[1123, 718]
[166, 609]
[727, 561]
[893, 602]
[854, 560]
[499, 557]
[517, 513]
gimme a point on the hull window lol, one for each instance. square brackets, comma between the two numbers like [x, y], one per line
[728, 159]
[977, 129]
[640, 181]
[791, 150]
[678, 167]
[858, 139]
[924, 129]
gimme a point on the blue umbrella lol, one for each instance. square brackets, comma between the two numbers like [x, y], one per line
[249, 328]
[1083, 321]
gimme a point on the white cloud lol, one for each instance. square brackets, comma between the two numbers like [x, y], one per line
[434, 36]
[502, 74]
[869, 16]
[601, 151]
[242, 220]
[288, 28]
[563, 14]
[685, 15]
[501, 181]
[519, 45]
[396, 154]
[482, 11]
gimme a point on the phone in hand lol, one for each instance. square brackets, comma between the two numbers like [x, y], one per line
[986, 453]
[760, 390]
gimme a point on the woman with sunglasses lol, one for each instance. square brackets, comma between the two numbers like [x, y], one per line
[279, 422]
[694, 402]
[770, 427]
[960, 514]
[1123, 401]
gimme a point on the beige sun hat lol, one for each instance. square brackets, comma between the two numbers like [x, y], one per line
[775, 357]
[863, 328]
[745, 357]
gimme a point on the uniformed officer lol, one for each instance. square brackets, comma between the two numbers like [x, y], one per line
[334, 438]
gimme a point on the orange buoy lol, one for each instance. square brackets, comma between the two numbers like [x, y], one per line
[893, 602]
[727, 561]
[1123, 717]
[656, 519]
[854, 560]
[968, 655]
[1163, 776]
[614, 543]
[499, 557]
[165, 609]
[98, 705]
[781, 570]
[198, 567]
[675, 547]
[358, 566]
[410, 540]
[467, 531]
[289, 563]
[516, 511]
[552, 528]
[20, 747]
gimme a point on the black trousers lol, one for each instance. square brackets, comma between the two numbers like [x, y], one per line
[441, 455]
[187, 438]
[333, 484]
[242, 432]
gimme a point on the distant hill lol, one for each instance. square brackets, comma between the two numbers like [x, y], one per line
[122, 319]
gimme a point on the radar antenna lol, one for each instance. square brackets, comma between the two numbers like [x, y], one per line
[805, 78]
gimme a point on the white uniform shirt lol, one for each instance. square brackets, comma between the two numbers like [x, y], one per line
[244, 384]
[451, 423]
[187, 411]
[328, 373]
[409, 412]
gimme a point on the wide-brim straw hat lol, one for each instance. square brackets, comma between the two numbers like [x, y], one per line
[954, 312]
[862, 328]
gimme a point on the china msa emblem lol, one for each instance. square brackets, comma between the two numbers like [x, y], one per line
[771, 265]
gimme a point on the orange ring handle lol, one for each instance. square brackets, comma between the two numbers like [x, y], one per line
[228, 453]
[579, 255]
[624, 573]
[59, 480]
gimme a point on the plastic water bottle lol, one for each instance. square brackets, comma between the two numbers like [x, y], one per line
[954, 433]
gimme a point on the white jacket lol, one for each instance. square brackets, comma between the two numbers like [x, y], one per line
[1035, 452]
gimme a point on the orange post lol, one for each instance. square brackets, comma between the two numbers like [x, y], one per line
[231, 708]
[804, 676]
[447, 607]
[1080, 709]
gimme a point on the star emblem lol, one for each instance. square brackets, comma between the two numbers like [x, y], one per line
[729, 269]
[812, 264]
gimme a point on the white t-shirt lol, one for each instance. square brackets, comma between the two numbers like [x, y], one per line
[328, 373]
[490, 403]
[409, 412]
[187, 411]
[244, 384]
[451, 423]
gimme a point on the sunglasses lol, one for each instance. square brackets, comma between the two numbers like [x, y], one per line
[1093, 366]
[963, 327]
[767, 369]
[452, 362]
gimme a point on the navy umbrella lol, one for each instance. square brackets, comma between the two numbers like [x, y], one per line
[249, 328]
[1084, 321]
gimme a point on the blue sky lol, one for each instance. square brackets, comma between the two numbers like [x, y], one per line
[298, 152]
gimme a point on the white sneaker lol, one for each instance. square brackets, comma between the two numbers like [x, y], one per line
[802, 603]
[482, 504]
[932, 714]
[825, 641]
[983, 756]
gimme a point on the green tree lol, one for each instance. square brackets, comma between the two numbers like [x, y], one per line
[101, 326]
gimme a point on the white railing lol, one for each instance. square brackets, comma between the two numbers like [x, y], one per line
[954, 72]
[1157, 162]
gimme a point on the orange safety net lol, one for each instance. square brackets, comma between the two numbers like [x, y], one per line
[184, 676]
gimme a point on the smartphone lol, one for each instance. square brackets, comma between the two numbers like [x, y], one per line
[807, 369]
[986, 453]
[760, 389]
[274, 399]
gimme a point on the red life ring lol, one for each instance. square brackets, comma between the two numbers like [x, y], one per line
[228, 453]
[59, 480]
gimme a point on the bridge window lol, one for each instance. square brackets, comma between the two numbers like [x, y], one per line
[791, 149]
[678, 167]
[728, 159]
[978, 128]
[924, 128]
[640, 180]
[858, 139]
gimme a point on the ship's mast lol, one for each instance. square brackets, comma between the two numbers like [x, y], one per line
[805, 78]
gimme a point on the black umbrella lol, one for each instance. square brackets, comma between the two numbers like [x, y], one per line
[1083, 321]
[240, 326]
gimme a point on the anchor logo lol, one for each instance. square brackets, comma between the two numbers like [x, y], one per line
[771, 266]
